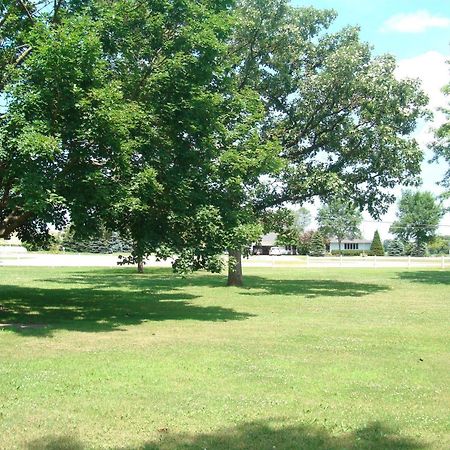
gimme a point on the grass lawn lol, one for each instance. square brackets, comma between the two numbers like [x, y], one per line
[298, 359]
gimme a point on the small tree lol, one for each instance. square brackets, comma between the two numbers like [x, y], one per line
[376, 248]
[302, 219]
[304, 242]
[420, 250]
[341, 219]
[418, 217]
[396, 248]
[317, 247]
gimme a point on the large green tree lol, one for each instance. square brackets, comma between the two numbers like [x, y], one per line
[339, 219]
[418, 217]
[300, 112]
[341, 118]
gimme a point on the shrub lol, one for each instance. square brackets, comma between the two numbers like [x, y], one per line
[439, 246]
[420, 250]
[347, 252]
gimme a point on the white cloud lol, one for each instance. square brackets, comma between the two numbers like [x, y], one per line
[434, 72]
[415, 22]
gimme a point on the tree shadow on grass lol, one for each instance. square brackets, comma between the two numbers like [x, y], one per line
[109, 299]
[261, 435]
[98, 308]
[427, 276]
[310, 288]
[56, 443]
[253, 285]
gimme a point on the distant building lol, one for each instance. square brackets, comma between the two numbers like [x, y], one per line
[267, 242]
[351, 244]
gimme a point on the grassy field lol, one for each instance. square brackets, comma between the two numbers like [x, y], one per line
[298, 359]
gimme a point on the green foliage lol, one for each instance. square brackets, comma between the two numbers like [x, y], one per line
[278, 220]
[376, 248]
[326, 93]
[339, 219]
[317, 245]
[418, 217]
[440, 245]
[63, 133]
[304, 242]
[409, 248]
[287, 238]
[396, 248]
[419, 250]
[348, 252]
[302, 219]
[287, 224]
[51, 244]
[105, 242]
[441, 145]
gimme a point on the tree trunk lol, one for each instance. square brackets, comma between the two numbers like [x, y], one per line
[235, 268]
[339, 244]
[140, 265]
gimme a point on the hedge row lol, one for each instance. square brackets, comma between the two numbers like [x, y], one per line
[352, 253]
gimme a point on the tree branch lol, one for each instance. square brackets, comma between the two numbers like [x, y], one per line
[12, 222]
[56, 8]
[27, 11]
[22, 56]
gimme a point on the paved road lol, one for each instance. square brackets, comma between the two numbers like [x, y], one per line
[86, 260]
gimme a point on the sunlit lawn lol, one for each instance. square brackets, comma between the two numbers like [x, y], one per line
[298, 359]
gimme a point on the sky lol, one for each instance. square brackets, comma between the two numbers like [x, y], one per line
[417, 33]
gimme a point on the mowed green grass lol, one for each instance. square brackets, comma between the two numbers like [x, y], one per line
[298, 359]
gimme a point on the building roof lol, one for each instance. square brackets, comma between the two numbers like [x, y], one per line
[351, 241]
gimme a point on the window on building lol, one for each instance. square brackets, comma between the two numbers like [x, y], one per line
[351, 246]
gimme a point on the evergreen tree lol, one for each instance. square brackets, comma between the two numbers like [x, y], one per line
[396, 248]
[420, 250]
[317, 247]
[376, 248]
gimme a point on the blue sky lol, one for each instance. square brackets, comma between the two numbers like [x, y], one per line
[417, 33]
[371, 15]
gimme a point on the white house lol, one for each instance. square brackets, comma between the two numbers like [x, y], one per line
[267, 242]
[351, 244]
